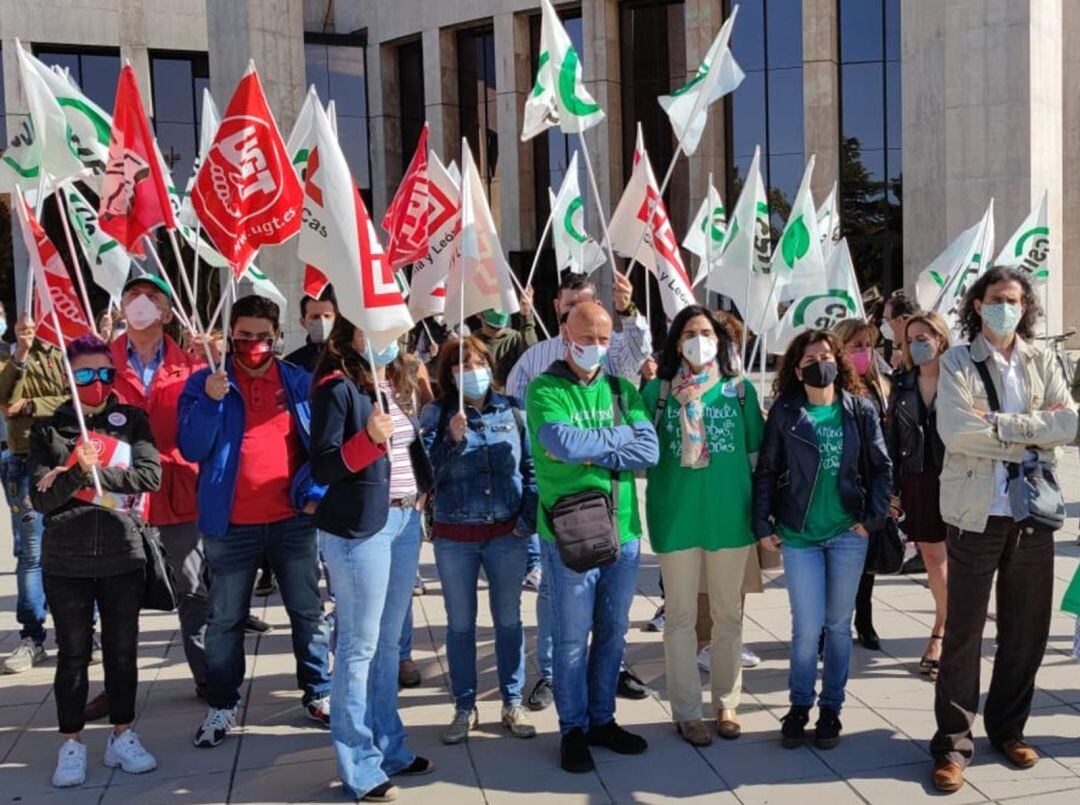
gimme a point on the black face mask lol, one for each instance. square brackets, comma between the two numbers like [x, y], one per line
[819, 375]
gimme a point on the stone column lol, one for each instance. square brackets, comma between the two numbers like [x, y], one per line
[517, 208]
[982, 108]
[270, 32]
[384, 125]
[1069, 240]
[704, 19]
[821, 92]
[441, 92]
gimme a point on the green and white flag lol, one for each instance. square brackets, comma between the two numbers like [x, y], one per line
[1029, 247]
[942, 284]
[72, 131]
[718, 74]
[109, 263]
[208, 127]
[20, 163]
[705, 236]
[743, 273]
[822, 311]
[256, 282]
[575, 249]
[798, 261]
[828, 218]
[558, 97]
[302, 137]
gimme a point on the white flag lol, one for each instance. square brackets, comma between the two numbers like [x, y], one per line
[207, 129]
[20, 163]
[743, 275]
[428, 296]
[629, 231]
[558, 97]
[109, 263]
[828, 218]
[941, 285]
[1029, 247]
[717, 75]
[339, 239]
[256, 282]
[481, 273]
[302, 137]
[798, 261]
[822, 311]
[705, 237]
[575, 249]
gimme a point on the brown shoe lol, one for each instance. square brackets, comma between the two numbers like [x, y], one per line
[948, 776]
[1020, 754]
[727, 725]
[694, 732]
[97, 708]
[408, 674]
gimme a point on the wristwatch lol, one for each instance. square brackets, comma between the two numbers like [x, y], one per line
[628, 311]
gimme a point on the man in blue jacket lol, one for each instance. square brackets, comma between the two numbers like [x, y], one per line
[248, 427]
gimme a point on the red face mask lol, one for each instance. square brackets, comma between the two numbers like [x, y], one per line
[95, 394]
[253, 354]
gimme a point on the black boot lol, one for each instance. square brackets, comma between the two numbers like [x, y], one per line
[793, 727]
[864, 614]
[574, 755]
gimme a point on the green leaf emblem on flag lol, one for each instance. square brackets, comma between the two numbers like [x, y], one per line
[795, 243]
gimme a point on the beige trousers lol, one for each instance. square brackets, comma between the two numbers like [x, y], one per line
[682, 571]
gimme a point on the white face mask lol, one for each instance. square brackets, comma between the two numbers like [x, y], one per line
[886, 331]
[319, 330]
[141, 312]
[699, 349]
[588, 357]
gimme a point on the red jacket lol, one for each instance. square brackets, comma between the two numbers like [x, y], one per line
[175, 501]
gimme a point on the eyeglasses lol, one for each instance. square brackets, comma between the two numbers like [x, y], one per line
[84, 377]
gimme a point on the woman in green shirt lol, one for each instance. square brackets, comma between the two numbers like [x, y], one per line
[698, 507]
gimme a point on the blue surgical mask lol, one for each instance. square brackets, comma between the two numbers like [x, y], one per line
[3, 326]
[1001, 318]
[923, 352]
[386, 355]
[589, 356]
[475, 382]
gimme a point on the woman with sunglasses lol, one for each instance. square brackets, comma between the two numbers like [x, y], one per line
[92, 551]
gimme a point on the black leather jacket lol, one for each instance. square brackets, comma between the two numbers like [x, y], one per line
[788, 462]
[913, 447]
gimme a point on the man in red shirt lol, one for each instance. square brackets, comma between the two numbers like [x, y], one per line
[247, 426]
[151, 370]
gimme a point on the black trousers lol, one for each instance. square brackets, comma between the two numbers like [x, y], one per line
[71, 601]
[1023, 559]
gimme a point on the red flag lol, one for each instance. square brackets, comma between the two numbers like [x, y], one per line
[406, 219]
[315, 282]
[134, 198]
[246, 193]
[55, 289]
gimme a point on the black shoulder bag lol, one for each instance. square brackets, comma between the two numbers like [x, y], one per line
[160, 590]
[1034, 494]
[586, 524]
[885, 548]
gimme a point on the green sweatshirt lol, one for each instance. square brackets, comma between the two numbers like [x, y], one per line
[506, 346]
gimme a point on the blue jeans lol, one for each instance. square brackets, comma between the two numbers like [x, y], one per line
[822, 581]
[543, 611]
[234, 560]
[459, 563]
[26, 528]
[373, 580]
[598, 601]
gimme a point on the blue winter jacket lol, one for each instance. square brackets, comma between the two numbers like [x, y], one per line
[210, 433]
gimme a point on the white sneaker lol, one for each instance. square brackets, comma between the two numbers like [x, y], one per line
[532, 579]
[749, 658]
[26, 656]
[126, 751]
[70, 765]
[215, 726]
[704, 659]
[658, 621]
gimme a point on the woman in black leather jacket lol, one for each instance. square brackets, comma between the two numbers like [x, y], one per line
[822, 483]
[917, 454]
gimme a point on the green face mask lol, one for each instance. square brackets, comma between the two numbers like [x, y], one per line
[495, 318]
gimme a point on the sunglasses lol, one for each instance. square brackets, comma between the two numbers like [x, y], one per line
[84, 377]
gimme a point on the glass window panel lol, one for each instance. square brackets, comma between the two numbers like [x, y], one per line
[893, 104]
[785, 89]
[861, 30]
[345, 66]
[892, 30]
[201, 83]
[173, 91]
[863, 104]
[177, 142]
[99, 77]
[894, 167]
[748, 115]
[67, 61]
[784, 32]
[748, 40]
[352, 134]
[785, 173]
[316, 69]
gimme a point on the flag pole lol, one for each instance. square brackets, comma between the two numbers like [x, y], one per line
[195, 266]
[184, 278]
[596, 201]
[539, 247]
[539, 321]
[461, 334]
[152, 251]
[371, 365]
[62, 207]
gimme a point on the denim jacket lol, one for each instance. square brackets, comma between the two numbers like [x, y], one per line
[488, 476]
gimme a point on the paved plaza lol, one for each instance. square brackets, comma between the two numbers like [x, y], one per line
[280, 756]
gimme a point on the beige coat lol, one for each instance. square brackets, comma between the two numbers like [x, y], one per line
[972, 445]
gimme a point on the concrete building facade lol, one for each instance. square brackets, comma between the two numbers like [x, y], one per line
[921, 110]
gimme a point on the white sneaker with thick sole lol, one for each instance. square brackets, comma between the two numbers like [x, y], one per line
[70, 765]
[126, 751]
[215, 726]
[749, 659]
[25, 656]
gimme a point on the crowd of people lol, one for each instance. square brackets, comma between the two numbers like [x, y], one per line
[523, 460]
